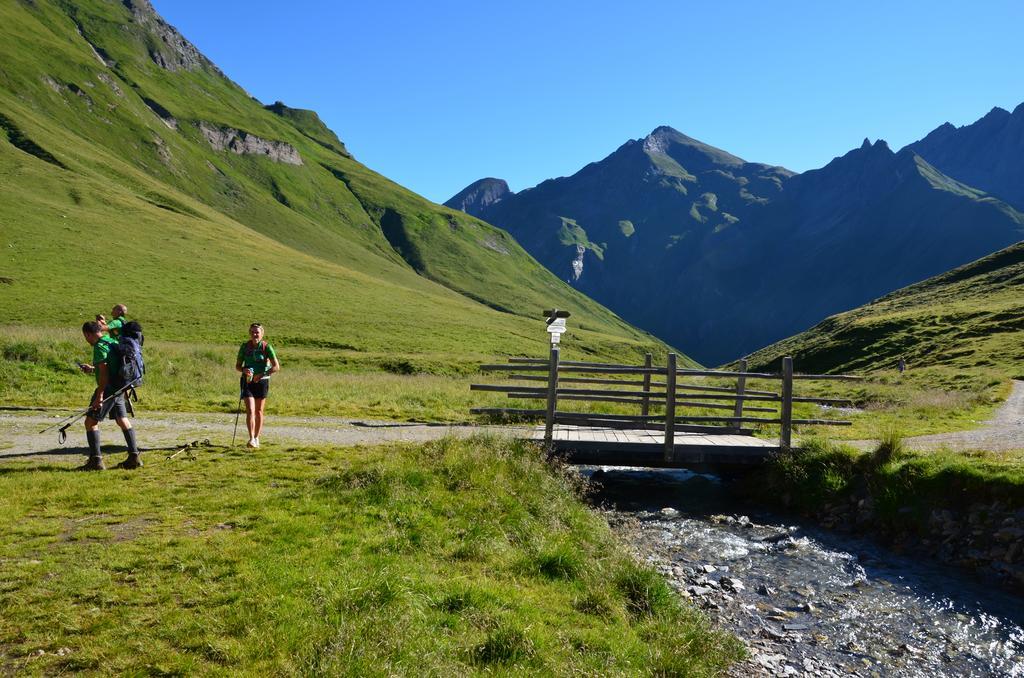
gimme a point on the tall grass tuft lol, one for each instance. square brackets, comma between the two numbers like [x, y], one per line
[891, 447]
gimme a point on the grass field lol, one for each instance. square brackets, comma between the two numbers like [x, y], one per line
[961, 333]
[449, 558]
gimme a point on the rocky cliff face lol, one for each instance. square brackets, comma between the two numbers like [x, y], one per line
[479, 195]
[168, 49]
[243, 143]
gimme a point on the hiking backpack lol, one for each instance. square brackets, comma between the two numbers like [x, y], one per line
[127, 355]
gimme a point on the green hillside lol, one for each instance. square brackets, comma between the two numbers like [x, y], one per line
[966, 320]
[962, 337]
[132, 170]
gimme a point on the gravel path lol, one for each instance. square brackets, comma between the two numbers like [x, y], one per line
[1004, 431]
[20, 437]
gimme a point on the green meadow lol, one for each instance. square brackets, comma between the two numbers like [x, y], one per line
[451, 558]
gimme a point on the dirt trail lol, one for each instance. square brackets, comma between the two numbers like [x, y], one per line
[1004, 431]
[161, 431]
[158, 431]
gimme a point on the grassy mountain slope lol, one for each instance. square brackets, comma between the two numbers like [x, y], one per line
[968, 319]
[133, 170]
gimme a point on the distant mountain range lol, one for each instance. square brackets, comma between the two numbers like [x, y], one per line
[720, 256]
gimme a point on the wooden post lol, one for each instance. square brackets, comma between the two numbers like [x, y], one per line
[670, 408]
[549, 419]
[786, 409]
[645, 407]
[741, 388]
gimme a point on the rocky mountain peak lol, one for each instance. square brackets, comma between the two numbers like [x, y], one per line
[479, 195]
[996, 114]
[987, 154]
[170, 50]
[686, 150]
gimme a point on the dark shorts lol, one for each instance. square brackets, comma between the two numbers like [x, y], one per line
[255, 389]
[112, 407]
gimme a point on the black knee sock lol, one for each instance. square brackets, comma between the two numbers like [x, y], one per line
[129, 438]
[94, 443]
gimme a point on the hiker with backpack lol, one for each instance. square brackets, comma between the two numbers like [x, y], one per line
[257, 360]
[118, 367]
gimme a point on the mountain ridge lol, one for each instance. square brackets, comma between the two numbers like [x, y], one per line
[701, 222]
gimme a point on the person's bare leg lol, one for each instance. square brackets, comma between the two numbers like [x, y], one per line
[259, 416]
[250, 419]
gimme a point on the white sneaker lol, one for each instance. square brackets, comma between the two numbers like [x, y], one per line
[256, 442]
[252, 443]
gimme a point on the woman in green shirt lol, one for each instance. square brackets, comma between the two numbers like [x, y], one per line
[257, 360]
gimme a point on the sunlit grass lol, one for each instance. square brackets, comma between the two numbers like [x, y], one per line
[449, 558]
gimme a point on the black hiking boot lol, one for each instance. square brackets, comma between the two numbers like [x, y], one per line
[94, 464]
[132, 462]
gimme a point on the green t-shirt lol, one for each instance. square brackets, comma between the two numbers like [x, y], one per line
[115, 325]
[100, 352]
[258, 358]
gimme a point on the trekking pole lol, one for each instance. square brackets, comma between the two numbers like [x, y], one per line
[238, 411]
[65, 424]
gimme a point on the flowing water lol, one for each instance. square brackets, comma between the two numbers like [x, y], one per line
[807, 601]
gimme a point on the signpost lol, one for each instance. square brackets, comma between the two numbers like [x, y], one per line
[556, 327]
[556, 324]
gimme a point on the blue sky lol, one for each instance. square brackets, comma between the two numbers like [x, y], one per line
[437, 94]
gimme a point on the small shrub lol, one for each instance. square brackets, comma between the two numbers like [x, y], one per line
[21, 351]
[558, 562]
[890, 447]
[595, 603]
[646, 593]
[506, 644]
[457, 601]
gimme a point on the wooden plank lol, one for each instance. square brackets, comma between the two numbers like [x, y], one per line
[670, 406]
[613, 370]
[502, 388]
[719, 389]
[786, 411]
[552, 395]
[506, 410]
[741, 386]
[821, 422]
[726, 373]
[824, 401]
[578, 380]
[751, 420]
[646, 406]
[514, 368]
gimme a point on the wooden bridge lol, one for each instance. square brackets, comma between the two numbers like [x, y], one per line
[680, 423]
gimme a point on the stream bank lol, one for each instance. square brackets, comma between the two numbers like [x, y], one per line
[809, 601]
[951, 507]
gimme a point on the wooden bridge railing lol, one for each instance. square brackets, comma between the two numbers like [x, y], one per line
[648, 385]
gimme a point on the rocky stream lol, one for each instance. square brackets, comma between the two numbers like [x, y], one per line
[807, 601]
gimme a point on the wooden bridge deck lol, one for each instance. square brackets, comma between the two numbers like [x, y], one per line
[590, 445]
